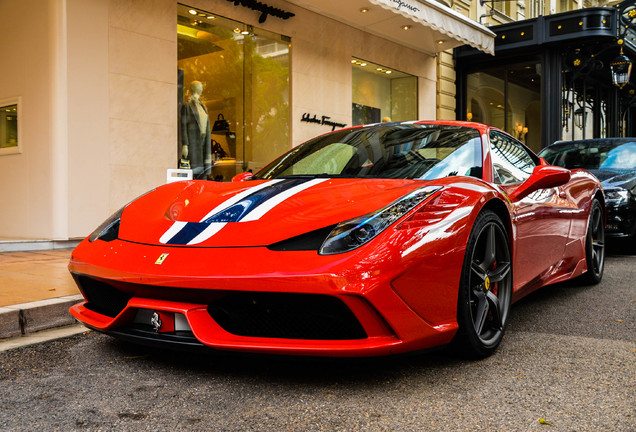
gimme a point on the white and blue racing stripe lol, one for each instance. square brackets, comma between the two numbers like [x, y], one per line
[172, 231]
[249, 205]
[267, 205]
[209, 231]
[238, 197]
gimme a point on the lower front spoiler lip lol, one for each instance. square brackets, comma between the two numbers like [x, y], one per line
[209, 335]
[158, 340]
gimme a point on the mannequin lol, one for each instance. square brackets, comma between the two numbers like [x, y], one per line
[195, 133]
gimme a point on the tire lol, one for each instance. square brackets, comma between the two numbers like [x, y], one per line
[485, 289]
[595, 245]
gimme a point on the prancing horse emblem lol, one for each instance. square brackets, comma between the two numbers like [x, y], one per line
[161, 258]
[156, 321]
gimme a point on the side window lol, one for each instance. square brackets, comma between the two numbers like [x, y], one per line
[511, 162]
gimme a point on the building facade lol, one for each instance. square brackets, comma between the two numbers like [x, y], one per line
[101, 97]
[551, 77]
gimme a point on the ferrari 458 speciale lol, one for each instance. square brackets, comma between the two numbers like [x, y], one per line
[365, 241]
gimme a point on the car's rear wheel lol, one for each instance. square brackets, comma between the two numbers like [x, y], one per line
[485, 288]
[595, 245]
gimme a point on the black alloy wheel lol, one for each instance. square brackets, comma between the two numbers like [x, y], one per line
[485, 288]
[595, 245]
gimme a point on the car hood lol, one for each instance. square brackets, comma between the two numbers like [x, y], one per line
[252, 213]
[612, 179]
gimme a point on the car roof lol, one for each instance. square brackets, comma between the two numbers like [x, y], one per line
[594, 141]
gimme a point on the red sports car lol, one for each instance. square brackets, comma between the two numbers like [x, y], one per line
[370, 240]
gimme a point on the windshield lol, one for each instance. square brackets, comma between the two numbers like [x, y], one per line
[385, 151]
[593, 155]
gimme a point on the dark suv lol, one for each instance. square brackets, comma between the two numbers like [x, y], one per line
[613, 162]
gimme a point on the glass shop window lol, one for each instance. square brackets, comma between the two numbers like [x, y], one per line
[9, 136]
[233, 95]
[508, 98]
[382, 94]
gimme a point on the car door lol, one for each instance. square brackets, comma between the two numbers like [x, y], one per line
[540, 226]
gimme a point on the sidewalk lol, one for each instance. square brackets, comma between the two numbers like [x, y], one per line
[36, 291]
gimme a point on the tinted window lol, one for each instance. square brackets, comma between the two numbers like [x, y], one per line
[511, 162]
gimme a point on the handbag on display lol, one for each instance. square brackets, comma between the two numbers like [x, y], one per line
[220, 125]
[184, 163]
[218, 150]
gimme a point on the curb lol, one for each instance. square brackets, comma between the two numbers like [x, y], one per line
[26, 318]
[37, 245]
[41, 337]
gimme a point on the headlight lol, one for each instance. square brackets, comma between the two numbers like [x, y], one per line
[353, 233]
[616, 196]
[109, 229]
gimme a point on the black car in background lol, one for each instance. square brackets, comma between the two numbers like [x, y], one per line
[613, 162]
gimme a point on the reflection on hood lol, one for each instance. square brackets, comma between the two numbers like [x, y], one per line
[614, 179]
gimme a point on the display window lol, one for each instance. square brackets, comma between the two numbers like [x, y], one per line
[382, 94]
[9, 132]
[233, 95]
[510, 99]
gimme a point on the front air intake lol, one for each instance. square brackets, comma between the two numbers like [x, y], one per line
[102, 297]
[286, 315]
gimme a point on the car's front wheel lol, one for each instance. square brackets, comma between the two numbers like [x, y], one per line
[485, 288]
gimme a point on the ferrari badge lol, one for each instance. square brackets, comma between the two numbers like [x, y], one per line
[156, 321]
[161, 258]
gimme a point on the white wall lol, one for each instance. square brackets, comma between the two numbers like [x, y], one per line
[142, 82]
[88, 137]
[27, 32]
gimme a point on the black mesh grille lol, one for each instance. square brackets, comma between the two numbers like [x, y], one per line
[101, 297]
[273, 315]
[282, 315]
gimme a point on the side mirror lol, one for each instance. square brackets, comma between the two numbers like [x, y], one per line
[543, 177]
[243, 176]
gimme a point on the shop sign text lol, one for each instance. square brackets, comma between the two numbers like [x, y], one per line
[323, 120]
[401, 4]
[264, 9]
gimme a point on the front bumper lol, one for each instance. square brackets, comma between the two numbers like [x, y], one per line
[257, 300]
[621, 220]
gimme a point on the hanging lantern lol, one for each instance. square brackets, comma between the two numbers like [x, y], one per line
[579, 117]
[621, 68]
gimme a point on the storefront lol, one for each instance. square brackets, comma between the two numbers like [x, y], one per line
[109, 104]
[251, 80]
[552, 77]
